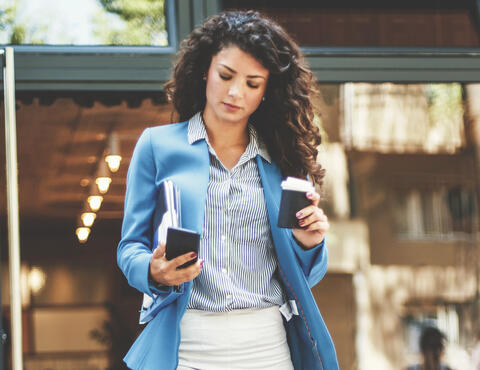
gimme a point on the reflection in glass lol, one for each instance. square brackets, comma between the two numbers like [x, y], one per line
[438, 212]
[404, 118]
[86, 22]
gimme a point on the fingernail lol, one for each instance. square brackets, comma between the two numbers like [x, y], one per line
[301, 222]
[298, 214]
[309, 195]
[193, 255]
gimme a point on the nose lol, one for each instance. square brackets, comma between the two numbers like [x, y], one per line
[234, 90]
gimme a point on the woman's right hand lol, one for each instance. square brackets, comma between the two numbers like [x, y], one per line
[165, 271]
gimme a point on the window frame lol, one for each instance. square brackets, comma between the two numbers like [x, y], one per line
[146, 68]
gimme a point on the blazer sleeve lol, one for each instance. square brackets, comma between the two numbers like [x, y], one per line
[313, 261]
[134, 251]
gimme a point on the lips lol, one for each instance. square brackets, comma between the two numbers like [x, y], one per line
[231, 107]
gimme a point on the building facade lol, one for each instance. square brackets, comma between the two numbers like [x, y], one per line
[398, 101]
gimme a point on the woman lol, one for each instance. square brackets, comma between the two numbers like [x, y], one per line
[243, 95]
[432, 345]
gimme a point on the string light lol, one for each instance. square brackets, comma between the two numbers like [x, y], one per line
[88, 218]
[36, 279]
[103, 180]
[103, 183]
[95, 202]
[82, 234]
[113, 158]
[100, 186]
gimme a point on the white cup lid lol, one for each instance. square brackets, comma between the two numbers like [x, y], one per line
[296, 184]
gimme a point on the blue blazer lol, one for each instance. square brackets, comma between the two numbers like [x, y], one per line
[161, 153]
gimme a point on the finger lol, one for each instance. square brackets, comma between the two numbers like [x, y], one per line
[159, 252]
[319, 226]
[186, 274]
[304, 212]
[314, 197]
[310, 214]
[184, 258]
[162, 248]
[192, 271]
[317, 215]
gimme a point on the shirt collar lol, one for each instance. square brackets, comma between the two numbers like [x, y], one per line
[197, 131]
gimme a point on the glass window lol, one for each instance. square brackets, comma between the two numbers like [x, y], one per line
[86, 22]
[397, 118]
[440, 212]
[372, 23]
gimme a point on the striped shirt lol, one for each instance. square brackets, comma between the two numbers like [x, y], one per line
[240, 269]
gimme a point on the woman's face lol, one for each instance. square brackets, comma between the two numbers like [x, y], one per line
[236, 84]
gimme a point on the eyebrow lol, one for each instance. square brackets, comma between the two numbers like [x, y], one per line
[233, 71]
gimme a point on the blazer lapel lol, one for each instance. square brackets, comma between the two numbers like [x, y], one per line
[193, 183]
[271, 179]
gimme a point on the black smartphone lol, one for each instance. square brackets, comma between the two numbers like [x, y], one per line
[181, 241]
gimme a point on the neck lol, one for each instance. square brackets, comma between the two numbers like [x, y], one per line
[431, 363]
[225, 133]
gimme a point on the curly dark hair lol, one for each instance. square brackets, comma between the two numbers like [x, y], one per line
[432, 340]
[284, 120]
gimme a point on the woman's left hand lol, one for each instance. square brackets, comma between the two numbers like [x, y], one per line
[313, 222]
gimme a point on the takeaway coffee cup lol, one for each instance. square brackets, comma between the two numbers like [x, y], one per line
[294, 198]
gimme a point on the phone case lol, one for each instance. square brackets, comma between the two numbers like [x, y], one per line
[181, 241]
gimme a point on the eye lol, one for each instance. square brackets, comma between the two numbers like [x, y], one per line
[225, 77]
[252, 85]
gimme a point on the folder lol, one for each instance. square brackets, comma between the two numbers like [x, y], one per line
[167, 214]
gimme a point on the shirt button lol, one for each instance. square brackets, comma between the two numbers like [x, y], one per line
[229, 297]
[224, 270]
[223, 238]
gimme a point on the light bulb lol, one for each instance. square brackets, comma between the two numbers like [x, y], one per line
[88, 218]
[36, 279]
[82, 234]
[95, 201]
[113, 161]
[103, 183]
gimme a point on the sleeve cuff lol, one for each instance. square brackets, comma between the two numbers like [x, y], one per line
[157, 288]
[302, 249]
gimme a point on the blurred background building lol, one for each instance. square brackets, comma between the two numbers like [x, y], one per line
[399, 96]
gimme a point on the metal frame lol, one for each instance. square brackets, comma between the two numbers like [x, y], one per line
[146, 68]
[171, 25]
[12, 208]
[402, 65]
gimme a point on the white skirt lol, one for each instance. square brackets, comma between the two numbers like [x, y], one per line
[240, 339]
